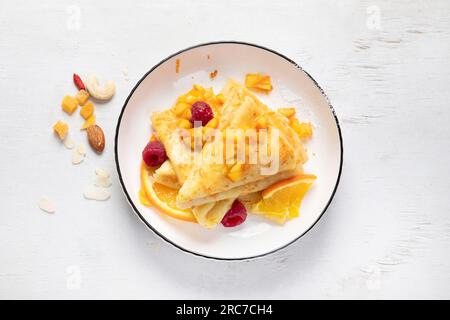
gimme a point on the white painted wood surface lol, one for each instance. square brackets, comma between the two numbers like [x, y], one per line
[385, 66]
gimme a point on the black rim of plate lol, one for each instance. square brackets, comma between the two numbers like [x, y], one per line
[204, 45]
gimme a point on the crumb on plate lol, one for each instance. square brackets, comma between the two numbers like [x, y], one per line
[177, 66]
[213, 74]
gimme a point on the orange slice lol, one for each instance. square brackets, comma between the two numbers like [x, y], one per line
[281, 201]
[162, 197]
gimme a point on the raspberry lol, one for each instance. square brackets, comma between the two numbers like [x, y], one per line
[201, 111]
[235, 216]
[154, 154]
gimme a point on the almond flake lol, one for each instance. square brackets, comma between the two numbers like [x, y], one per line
[102, 182]
[81, 149]
[45, 205]
[69, 143]
[102, 178]
[101, 173]
[95, 193]
[77, 157]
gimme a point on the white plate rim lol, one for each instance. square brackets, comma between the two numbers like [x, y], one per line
[149, 226]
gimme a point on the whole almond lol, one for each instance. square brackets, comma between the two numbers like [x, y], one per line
[96, 138]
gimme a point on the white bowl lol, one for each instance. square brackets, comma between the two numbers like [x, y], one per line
[158, 89]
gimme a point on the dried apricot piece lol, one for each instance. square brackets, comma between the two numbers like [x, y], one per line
[187, 114]
[287, 112]
[61, 128]
[89, 122]
[235, 172]
[69, 104]
[82, 96]
[213, 123]
[303, 129]
[258, 81]
[87, 110]
[184, 124]
[180, 107]
[261, 122]
[221, 98]
[199, 88]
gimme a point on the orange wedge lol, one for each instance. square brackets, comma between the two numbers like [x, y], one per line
[162, 197]
[281, 201]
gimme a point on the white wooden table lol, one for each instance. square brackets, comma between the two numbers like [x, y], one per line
[386, 69]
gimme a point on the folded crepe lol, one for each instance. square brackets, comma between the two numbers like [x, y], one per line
[209, 214]
[205, 186]
[166, 175]
[209, 178]
[175, 171]
[165, 124]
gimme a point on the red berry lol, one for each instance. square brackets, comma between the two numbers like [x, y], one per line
[235, 216]
[154, 154]
[201, 111]
[78, 82]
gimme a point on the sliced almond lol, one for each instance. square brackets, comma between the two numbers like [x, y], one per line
[46, 205]
[69, 143]
[81, 149]
[96, 138]
[101, 172]
[77, 157]
[102, 182]
[96, 193]
[102, 178]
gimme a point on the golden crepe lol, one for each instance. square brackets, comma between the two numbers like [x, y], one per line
[181, 163]
[247, 188]
[210, 214]
[165, 126]
[166, 175]
[209, 178]
[205, 186]
[221, 202]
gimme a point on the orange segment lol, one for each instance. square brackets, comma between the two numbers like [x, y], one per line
[281, 201]
[286, 183]
[162, 197]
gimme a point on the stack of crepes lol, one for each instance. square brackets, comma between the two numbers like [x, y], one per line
[204, 185]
